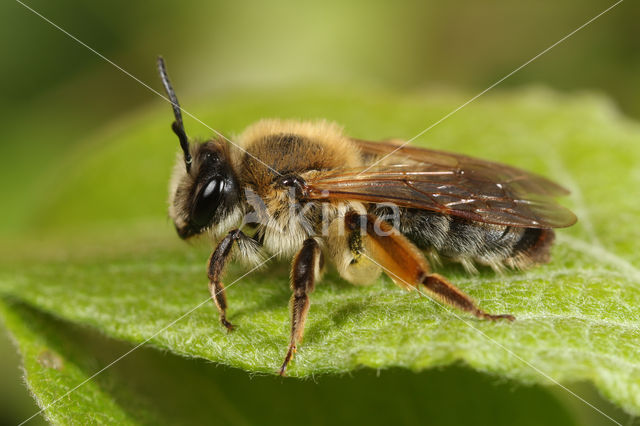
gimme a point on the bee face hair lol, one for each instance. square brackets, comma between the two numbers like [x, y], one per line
[207, 193]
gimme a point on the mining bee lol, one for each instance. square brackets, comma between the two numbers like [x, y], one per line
[304, 190]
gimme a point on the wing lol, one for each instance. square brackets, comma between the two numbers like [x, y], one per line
[447, 183]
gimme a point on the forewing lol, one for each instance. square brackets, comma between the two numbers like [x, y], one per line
[447, 183]
[392, 153]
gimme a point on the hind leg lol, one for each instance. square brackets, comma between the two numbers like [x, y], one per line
[405, 264]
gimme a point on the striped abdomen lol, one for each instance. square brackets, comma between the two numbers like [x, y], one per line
[467, 241]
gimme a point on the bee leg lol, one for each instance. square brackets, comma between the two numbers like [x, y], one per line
[440, 287]
[306, 266]
[215, 267]
[406, 265]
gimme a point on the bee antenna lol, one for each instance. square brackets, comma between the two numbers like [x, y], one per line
[177, 126]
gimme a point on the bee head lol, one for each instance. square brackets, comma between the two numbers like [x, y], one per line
[204, 187]
[207, 193]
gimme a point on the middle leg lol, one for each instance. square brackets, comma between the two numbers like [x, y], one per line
[306, 267]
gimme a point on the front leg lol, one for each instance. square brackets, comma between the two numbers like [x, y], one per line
[306, 267]
[215, 268]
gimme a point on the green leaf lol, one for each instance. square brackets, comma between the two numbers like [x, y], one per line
[148, 387]
[117, 266]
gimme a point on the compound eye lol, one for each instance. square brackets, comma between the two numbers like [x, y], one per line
[207, 202]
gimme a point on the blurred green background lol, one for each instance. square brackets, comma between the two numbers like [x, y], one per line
[55, 93]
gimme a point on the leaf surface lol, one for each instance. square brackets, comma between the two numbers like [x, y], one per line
[111, 259]
[149, 387]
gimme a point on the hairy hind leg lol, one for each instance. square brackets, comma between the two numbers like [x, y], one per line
[405, 264]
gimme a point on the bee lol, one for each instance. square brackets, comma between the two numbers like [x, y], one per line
[306, 191]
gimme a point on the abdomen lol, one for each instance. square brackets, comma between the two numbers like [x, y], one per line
[472, 242]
